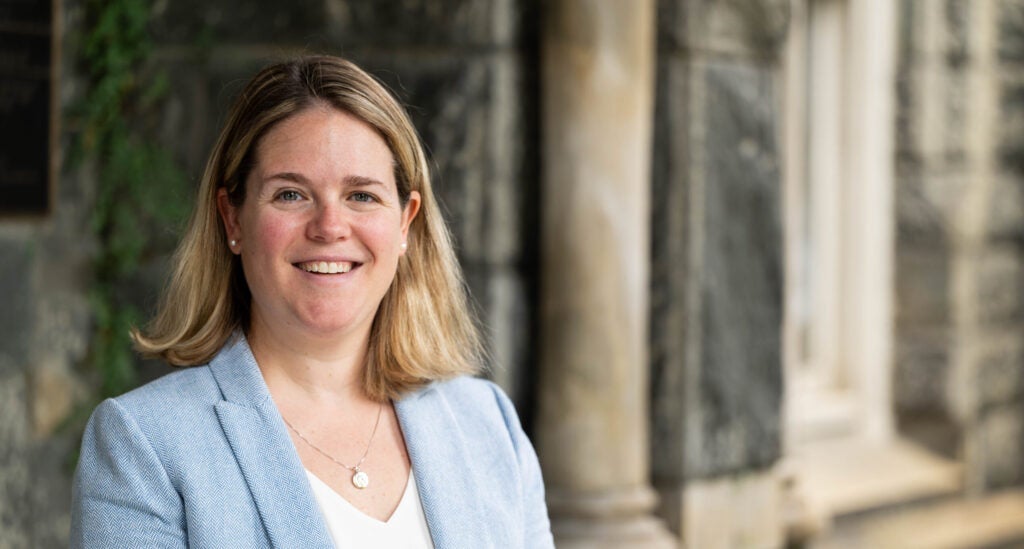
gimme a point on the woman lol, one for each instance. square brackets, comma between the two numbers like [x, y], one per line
[317, 294]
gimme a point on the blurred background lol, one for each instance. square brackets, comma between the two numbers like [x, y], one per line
[752, 270]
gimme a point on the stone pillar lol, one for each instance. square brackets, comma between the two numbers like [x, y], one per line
[716, 279]
[597, 99]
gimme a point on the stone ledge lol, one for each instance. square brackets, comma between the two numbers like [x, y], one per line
[845, 478]
[994, 521]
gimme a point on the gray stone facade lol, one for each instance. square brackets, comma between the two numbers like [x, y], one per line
[960, 244]
[468, 70]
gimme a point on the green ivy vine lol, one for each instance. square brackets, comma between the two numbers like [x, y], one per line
[140, 196]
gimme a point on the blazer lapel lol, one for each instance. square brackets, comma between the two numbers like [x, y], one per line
[445, 478]
[263, 449]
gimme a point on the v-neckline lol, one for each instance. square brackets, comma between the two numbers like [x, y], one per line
[324, 487]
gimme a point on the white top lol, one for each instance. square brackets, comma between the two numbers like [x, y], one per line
[351, 528]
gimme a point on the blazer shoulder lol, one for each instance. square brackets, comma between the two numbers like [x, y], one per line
[177, 398]
[476, 396]
[469, 390]
[187, 385]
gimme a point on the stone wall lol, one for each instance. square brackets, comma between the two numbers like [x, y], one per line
[716, 288]
[44, 330]
[464, 68]
[959, 380]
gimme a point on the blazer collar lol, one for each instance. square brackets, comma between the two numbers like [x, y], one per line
[238, 375]
[264, 451]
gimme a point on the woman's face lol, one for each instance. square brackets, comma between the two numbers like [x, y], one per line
[321, 228]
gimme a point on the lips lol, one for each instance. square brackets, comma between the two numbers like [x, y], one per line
[326, 267]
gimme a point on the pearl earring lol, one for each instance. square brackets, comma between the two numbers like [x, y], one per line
[233, 243]
[404, 246]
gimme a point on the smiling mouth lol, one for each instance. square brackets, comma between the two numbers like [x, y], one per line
[326, 267]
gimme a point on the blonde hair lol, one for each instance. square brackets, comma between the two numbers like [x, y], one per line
[423, 330]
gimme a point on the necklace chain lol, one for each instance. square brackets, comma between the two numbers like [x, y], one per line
[359, 478]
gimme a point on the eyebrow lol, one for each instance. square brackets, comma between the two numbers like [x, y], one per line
[362, 181]
[351, 180]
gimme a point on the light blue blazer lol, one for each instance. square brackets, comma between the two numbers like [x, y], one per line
[202, 458]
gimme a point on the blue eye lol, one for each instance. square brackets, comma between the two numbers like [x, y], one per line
[289, 196]
[363, 197]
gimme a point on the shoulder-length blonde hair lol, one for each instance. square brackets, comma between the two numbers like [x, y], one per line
[423, 330]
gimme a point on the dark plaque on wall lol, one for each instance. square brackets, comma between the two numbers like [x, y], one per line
[26, 32]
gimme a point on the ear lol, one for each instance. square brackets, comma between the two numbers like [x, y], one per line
[412, 207]
[229, 216]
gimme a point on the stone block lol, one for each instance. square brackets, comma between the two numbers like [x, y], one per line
[754, 28]
[1010, 130]
[955, 106]
[999, 447]
[1005, 220]
[931, 114]
[909, 149]
[193, 22]
[926, 208]
[910, 35]
[1010, 18]
[736, 511]
[349, 24]
[417, 23]
[923, 277]
[16, 267]
[957, 20]
[1000, 285]
[16, 479]
[54, 392]
[922, 369]
[507, 317]
[922, 379]
[724, 398]
[947, 40]
[50, 493]
[935, 431]
[188, 121]
[196, 105]
[1000, 369]
[907, 35]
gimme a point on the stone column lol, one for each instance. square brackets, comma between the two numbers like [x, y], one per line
[597, 100]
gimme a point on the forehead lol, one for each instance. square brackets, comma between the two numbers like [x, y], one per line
[321, 140]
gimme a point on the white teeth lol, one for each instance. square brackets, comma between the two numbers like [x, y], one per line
[326, 267]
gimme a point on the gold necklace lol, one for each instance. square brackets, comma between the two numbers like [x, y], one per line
[359, 477]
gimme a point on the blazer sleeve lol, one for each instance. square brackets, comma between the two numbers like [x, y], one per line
[537, 525]
[122, 495]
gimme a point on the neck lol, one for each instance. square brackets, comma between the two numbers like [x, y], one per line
[310, 369]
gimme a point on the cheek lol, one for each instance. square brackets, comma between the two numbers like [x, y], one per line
[269, 233]
[383, 235]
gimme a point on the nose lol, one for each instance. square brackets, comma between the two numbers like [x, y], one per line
[329, 223]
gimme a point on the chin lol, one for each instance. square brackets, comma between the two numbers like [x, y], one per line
[322, 325]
